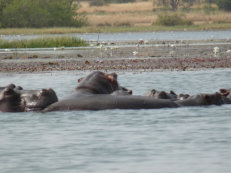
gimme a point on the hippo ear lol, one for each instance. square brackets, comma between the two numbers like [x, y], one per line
[19, 88]
[130, 92]
[109, 77]
[172, 92]
[80, 79]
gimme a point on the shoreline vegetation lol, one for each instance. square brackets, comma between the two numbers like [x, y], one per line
[138, 16]
[47, 42]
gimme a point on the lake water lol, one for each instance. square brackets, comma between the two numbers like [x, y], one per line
[189, 139]
[131, 36]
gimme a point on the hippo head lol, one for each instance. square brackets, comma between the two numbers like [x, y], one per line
[183, 96]
[226, 92]
[99, 83]
[161, 94]
[122, 91]
[212, 99]
[10, 100]
[38, 99]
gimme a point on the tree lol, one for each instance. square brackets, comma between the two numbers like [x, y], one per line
[174, 4]
[224, 4]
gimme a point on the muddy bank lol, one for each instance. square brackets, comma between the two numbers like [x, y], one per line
[136, 55]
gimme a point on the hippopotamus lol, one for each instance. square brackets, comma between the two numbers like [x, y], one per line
[202, 100]
[95, 92]
[36, 100]
[162, 94]
[10, 100]
[166, 95]
[29, 100]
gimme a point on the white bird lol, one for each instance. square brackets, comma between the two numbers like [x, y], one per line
[134, 53]
[216, 50]
[228, 51]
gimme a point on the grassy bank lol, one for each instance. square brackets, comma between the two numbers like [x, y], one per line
[107, 29]
[43, 42]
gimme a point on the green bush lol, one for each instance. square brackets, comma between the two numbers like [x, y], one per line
[224, 4]
[40, 13]
[172, 20]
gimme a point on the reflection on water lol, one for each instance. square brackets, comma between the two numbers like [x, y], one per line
[190, 139]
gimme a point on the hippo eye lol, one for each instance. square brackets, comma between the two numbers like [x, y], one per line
[42, 92]
[34, 97]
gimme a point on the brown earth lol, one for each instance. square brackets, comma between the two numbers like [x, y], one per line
[128, 56]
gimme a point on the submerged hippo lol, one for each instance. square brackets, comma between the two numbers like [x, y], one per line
[166, 95]
[95, 92]
[10, 101]
[202, 100]
[36, 100]
[162, 94]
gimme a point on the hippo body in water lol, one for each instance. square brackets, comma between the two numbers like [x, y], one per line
[97, 91]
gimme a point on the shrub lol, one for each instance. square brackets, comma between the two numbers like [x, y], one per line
[172, 20]
[224, 4]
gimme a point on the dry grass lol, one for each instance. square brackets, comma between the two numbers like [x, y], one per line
[217, 17]
[117, 8]
[142, 14]
[121, 19]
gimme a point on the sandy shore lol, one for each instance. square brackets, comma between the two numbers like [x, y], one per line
[135, 55]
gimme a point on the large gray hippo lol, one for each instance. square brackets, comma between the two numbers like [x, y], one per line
[95, 92]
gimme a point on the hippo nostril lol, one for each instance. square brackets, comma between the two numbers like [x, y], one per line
[8, 91]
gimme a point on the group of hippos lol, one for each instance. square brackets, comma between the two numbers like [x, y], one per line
[100, 91]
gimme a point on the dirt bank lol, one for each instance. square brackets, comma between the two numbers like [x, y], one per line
[136, 55]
